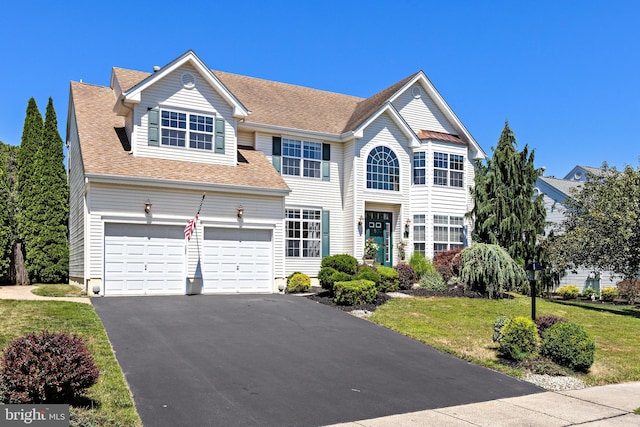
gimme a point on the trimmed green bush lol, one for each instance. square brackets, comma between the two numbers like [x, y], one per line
[433, 281]
[389, 279]
[354, 292]
[341, 262]
[298, 282]
[545, 322]
[420, 264]
[569, 345]
[497, 327]
[568, 292]
[589, 292]
[519, 338]
[328, 276]
[368, 272]
[407, 276]
[609, 294]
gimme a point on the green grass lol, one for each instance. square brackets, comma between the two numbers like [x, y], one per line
[464, 326]
[58, 291]
[113, 404]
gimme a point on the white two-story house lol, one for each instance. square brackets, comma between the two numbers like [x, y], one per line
[281, 176]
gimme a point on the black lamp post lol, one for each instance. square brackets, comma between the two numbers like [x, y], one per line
[533, 274]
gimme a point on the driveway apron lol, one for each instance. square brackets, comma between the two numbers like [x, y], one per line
[279, 360]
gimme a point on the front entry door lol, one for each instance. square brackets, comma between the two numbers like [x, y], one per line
[378, 228]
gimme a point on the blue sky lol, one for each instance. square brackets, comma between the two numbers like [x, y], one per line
[566, 74]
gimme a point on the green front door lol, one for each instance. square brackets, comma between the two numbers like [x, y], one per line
[378, 228]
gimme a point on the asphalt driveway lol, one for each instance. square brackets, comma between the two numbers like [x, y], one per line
[279, 360]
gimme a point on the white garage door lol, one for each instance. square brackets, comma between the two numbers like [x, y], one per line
[237, 260]
[144, 259]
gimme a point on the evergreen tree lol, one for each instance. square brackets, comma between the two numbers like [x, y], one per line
[47, 252]
[6, 231]
[505, 212]
[27, 188]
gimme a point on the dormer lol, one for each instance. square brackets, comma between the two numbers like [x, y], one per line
[181, 111]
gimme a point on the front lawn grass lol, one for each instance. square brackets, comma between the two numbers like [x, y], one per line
[464, 326]
[58, 291]
[112, 401]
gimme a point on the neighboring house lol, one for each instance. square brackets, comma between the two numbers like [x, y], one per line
[556, 192]
[291, 174]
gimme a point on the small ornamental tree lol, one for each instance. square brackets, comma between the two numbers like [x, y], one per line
[447, 263]
[490, 270]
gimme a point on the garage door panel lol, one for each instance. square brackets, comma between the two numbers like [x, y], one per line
[237, 260]
[144, 259]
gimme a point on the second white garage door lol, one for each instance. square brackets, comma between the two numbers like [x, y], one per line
[237, 260]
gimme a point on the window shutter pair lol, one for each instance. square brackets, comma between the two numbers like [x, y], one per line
[276, 157]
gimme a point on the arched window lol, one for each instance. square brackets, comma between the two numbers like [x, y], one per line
[383, 169]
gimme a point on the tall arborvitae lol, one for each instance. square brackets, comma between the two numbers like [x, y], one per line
[47, 252]
[27, 183]
[505, 212]
[6, 229]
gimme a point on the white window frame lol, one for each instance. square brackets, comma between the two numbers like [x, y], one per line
[192, 134]
[302, 157]
[420, 234]
[446, 232]
[303, 233]
[420, 165]
[383, 169]
[448, 170]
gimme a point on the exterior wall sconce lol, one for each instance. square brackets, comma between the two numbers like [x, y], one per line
[240, 212]
[147, 206]
[407, 226]
[360, 220]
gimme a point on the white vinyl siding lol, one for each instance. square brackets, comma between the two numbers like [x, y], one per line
[125, 204]
[170, 94]
[246, 139]
[76, 202]
[422, 113]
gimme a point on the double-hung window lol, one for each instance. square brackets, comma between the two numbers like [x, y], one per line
[178, 128]
[448, 233]
[301, 158]
[419, 234]
[419, 168]
[303, 236]
[448, 169]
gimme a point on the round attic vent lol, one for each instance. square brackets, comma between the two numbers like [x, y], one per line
[577, 176]
[188, 80]
[416, 92]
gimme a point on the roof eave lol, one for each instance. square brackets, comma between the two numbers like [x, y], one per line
[412, 138]
[186, 185]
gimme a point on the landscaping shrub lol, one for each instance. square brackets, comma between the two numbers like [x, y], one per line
[608, 294]
[589, 292]
[46, 368]
[341, 262]
[407, 276]
[368, 272]
[420, 264]
[568, 292]
[354, 292]
[447, 263]
[497, 327]
[519, 338]
[298, 282]
[328, 276]
[629, 289]
[569, 345]
[433, 281]
[545, 322]
[389, 279]
[490, 270]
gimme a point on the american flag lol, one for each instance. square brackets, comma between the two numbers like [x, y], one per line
[188, 230]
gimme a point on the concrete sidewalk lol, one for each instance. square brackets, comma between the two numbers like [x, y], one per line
[610, 405]
[24, 293]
